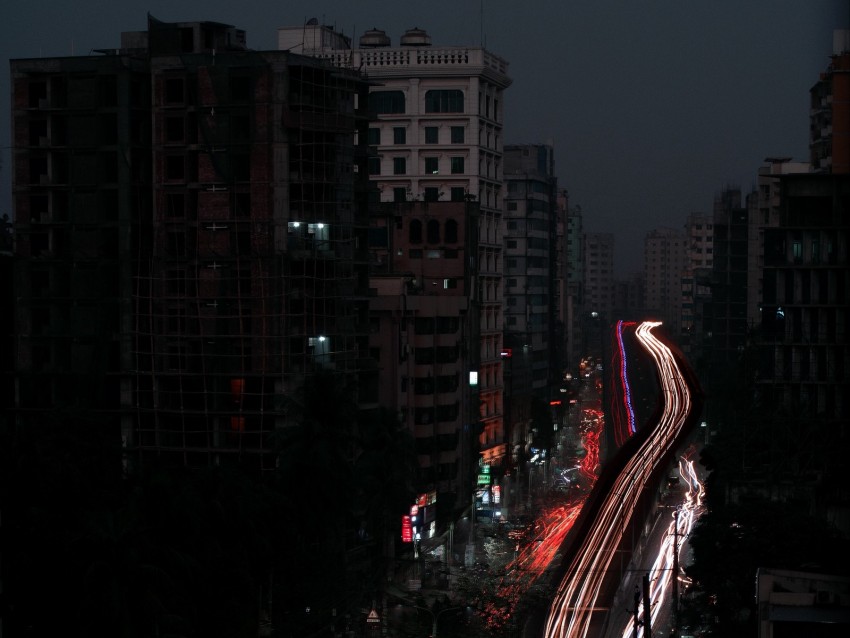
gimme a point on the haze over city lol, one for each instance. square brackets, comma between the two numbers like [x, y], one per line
[652, 107]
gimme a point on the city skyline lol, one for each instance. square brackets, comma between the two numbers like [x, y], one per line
[652, 109]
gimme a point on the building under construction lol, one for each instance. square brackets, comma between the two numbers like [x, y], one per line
[189, 219]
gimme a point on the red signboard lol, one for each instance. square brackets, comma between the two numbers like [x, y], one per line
[406, 530]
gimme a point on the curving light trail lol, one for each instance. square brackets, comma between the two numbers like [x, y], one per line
[662, 572]
[572, 608]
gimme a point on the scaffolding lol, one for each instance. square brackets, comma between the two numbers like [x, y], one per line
[249, 281]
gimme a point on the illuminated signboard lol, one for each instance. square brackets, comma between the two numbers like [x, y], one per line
[406, 530]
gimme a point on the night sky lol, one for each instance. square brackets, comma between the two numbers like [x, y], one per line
[652, 106]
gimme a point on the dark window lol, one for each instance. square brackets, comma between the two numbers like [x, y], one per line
[38, 133]
[432, 165]
[38, 170]
[423, 385]
[374, 166]
[423, 355]
[433, 231]
[176, 244]
[424, 325]
[399, 166]
[447, 354]
[374, 137]
[108, 128]
[457, 135]
[240, 128]
[175, 129]
[415, 231]
[174, 91]
[240, 167]
[382, 102]
[431, 134]
[399, 135]
[400, 194]
[175, 167]
[432, 194]
[37, 94]
[107, 90]
[175, 205]
[240, 88]
[242, 205]
[451, 231]
[448, 325]
[444, 101]
[457, 165]
[458, 193]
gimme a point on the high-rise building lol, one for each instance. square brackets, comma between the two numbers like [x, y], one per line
[696, 279]
[629, 296]
[599, 290]
[728, 322]
[763, 212]
[574, 278]
[188, 214]
[829, 128]
[423, 324]
[530, 291]
[437, 132]
[665, 261]
[530, 261]
[804, 370]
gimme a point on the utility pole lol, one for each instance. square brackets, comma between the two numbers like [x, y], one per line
[676, 573]
[647, 612]
[636, 611]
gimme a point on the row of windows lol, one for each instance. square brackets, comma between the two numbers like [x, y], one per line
[436, 101]
[430, 194]
[457, 165]
[457, 135]
[432, 231]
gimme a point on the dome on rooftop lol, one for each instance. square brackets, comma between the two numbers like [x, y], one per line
[374, 38]
[416, 37]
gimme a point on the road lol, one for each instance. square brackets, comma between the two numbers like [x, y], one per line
[580, 605]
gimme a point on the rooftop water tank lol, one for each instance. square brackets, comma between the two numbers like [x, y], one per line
[374, 38]
[416, 37]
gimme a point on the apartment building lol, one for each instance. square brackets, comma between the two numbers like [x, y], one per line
[829, 119]
[188, 214]
[533, 342]
[696, 280]
[665, 261]
[436, 129]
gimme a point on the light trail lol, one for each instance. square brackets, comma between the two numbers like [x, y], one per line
[621, 433]
[661, 573]
[573, 605]
[552, 527]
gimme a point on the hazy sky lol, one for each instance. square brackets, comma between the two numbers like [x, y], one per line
[653, 106]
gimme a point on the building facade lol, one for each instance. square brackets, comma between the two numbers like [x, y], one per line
[423, 324]
[437, 119]
[188, 215]
[829, 119]
[665, 261]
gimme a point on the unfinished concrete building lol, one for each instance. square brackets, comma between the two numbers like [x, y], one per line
[188, 220]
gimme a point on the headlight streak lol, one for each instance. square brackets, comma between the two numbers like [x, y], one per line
[572, 607]
[661, 573]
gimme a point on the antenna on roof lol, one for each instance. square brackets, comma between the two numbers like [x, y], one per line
[481, 37]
